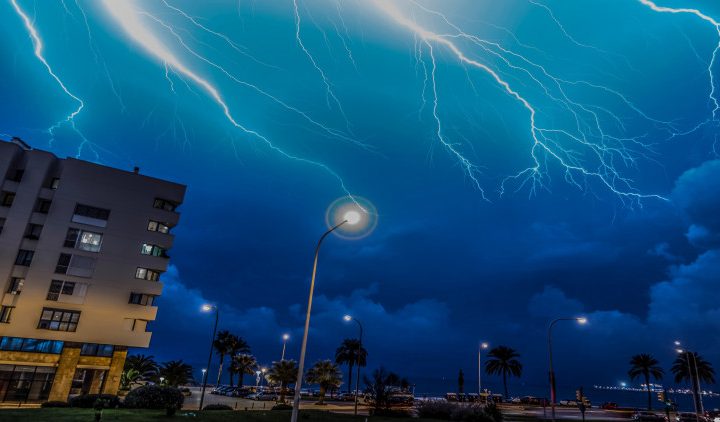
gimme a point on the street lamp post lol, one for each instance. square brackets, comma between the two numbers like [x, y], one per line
[357, 378]
[580, 320]
[483, 345]
[208, 308]
[285, 338]
[350, 217]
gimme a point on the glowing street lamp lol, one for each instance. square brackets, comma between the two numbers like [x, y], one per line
[483, 345]
[349, 318]
[209, 308]
[349, 217]
[579, 320]
[285, 338]
[697, 395]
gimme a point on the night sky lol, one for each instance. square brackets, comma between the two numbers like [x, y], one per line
[480, 235]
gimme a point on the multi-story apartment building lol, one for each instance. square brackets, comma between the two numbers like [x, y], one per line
[82, 251]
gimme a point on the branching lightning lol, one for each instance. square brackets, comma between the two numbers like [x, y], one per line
[39, 53]
[128, 18]
[661, 9]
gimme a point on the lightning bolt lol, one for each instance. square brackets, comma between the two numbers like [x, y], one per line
[547, 142]
[38, 50]
[127, 17]
[662, 9]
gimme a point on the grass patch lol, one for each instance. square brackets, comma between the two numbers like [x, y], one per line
[133, 415]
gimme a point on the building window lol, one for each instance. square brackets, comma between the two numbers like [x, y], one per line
[147, 274]
[7, 198]
[83, 240]
[154, 250]
[156, 226]
[139, 325]
[18, 344]
[141, 299]
[54, 183]
[33, 231]
[77, 265]
[24, 257]
[5, 313]
[16, 175]
[43, 206]
[164, 204]
[67, 291]
[92, 349]
[93, 216]
[59, 320]
[16, 285]
[2, 224]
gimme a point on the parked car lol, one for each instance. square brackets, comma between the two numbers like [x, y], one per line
[346, 397]
[609, 405]
[263, 396]
[186, 391]
[219, 389]
[690, 417]
[571, 403]
[648, 417]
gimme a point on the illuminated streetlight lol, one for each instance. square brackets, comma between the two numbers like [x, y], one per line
[349, 318]
[208, 308]
[579, 320]
[483, 345]
[358, 217]
[285, 338]
[697, 395]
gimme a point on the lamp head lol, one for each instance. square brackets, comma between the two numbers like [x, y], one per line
[679, 350]
[354, 217]
[207, 307]
[582, 320]
[286, 337]
[677, 343]
[348, 318]
[484, 345]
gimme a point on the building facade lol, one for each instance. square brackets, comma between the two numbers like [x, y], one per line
[82, 250]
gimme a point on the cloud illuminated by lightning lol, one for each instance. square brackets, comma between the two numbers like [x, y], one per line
[128, 16]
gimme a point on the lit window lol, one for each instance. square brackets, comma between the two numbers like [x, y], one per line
[7, 198]
[24, 257]
[156, 226]
[58, 320]
[154, 250]
[147, 274]
[83, 240]
[5, 313]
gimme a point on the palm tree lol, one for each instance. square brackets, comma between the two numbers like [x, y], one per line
[242, 364]
[689, 366]
[351, 352]
[176, 372]
[236, 345]
[221, 344]
[129, 377]
[283, 373]
[378, 387]
[647, 366]
[326, 374]
[502, 361]
[143, 365]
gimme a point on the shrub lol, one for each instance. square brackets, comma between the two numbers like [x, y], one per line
[155, 397]
[217, 407]
[282, 406]
[87, 401]
[55, 404]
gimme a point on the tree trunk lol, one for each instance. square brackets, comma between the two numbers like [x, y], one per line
[222, 358]
[322, 395]
[696, 389]
[505, 384]
[647, 385]
[283, 392]
[350, 371]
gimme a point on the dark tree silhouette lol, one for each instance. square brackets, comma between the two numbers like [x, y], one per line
[691, 367]
[351, 353]
[503, 361]
[646, 366]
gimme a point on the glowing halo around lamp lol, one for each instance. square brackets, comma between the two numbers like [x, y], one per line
[358, 213]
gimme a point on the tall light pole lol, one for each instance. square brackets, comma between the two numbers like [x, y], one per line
[208, 308]
[580, 320]
[285, 338]
[357, 378]
[481, 347]
[351, 217]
